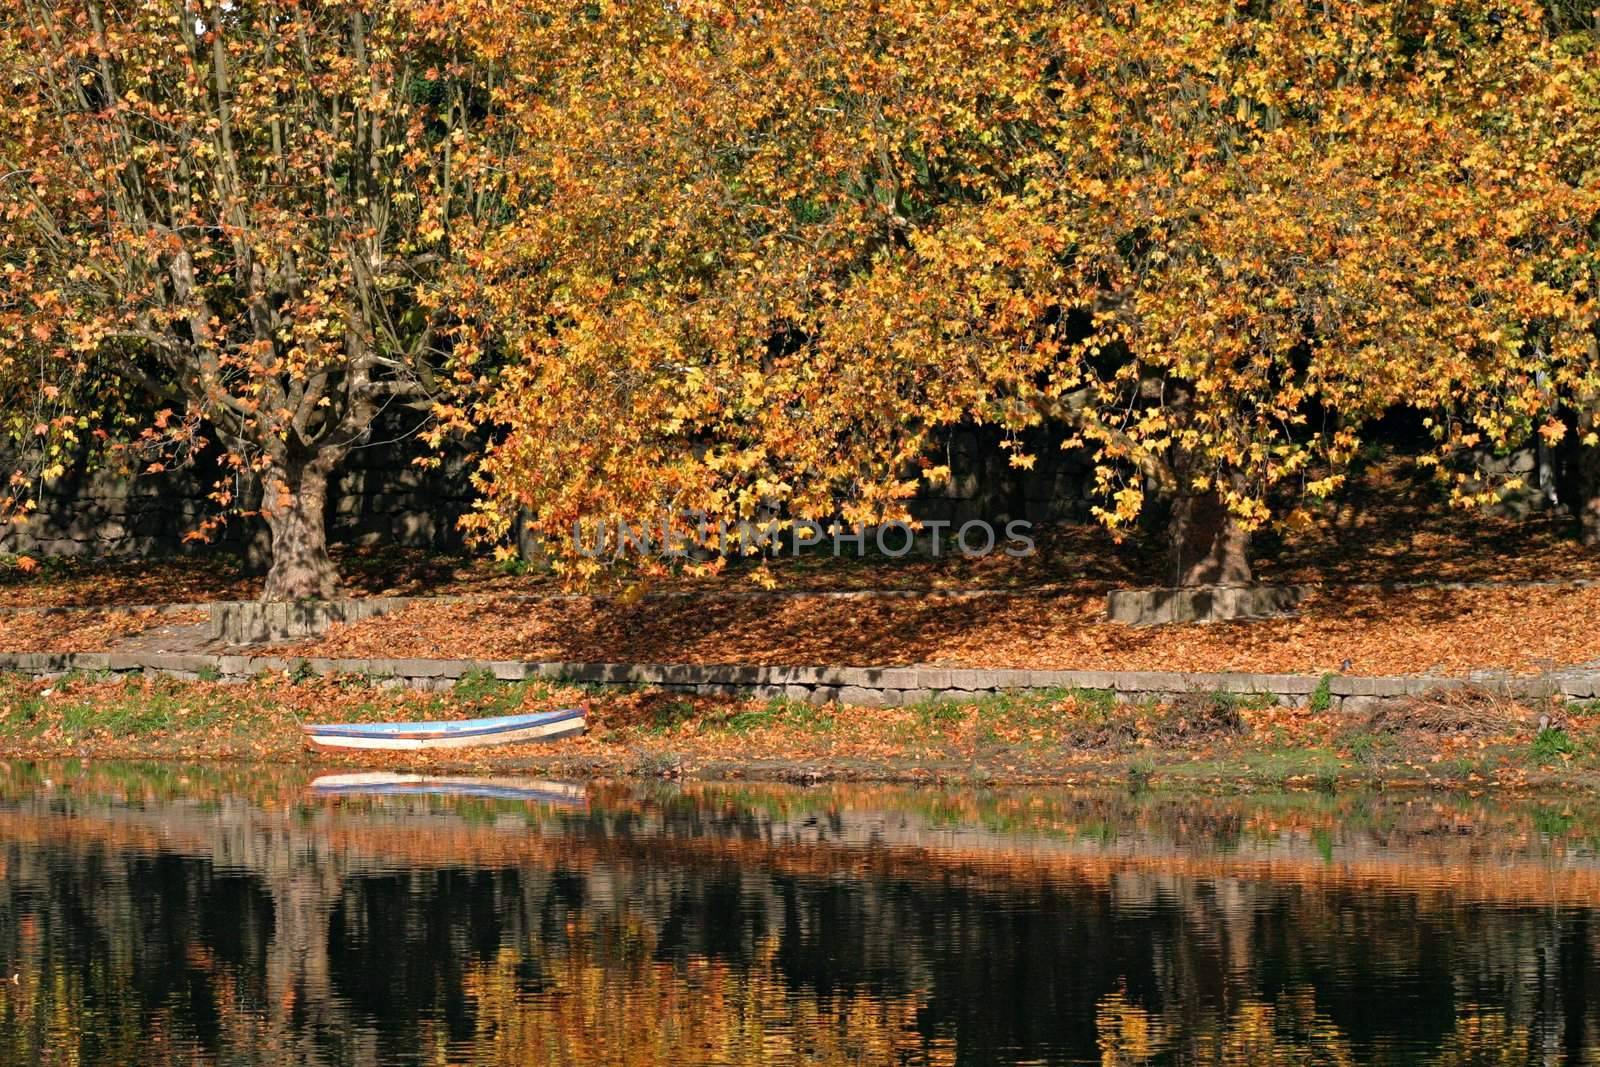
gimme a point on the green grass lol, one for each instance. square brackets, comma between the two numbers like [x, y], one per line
[779, 711]
[937, 713]
[1274, 767]
[161, 710]
[1366, 746]
[1552, 744]
[1033, 712]
[1102, 701]
[488, 695]
[1140, 774]
[1322, 696]
[1241, 701]
[669, 715]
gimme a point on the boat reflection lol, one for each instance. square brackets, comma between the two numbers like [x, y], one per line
[387, 784]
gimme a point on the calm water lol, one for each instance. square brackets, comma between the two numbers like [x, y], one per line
[155, 914]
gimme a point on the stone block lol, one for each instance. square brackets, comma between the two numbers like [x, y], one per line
[1359, 705]
[1581, 684]
[555, 671]
[1399, 687]
[1098, 681]
[508, 670]
[832, 677]
[1214, 603]
[731, 674]
[861, 696]
[720, 689]
[1011, 679]
[971, 680]
[890, 677]
[415, 530]
[1205, 682]
[163, 661]
[1294, 684]
[248, 622]
[1153, 682]
[419, 668]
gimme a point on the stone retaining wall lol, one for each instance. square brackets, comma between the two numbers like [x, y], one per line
[859, 686]
[250, 622]
[379, 496]
[1204, 603]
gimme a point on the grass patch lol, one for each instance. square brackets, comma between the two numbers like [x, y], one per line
[1322, 696]
[1103, 701]
[160, 709]
[1026, 717]
[1140, 774]
[779, 712]
[669, 714]
[938, 713]
[1552, 744]
[1367, 746]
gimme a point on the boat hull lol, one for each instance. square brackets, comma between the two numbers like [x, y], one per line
[469, 733]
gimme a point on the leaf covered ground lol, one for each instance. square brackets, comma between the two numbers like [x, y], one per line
[1039, 612]
[1446, 631]
[1082, 735]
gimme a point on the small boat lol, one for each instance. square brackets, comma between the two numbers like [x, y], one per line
[385, 784]
[456, 733]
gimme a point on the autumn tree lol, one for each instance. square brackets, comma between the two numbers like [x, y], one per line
[239, 212]
[764, 255]
[1317, 213]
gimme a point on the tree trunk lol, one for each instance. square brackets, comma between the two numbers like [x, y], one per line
[294, 502]
[1208, 545]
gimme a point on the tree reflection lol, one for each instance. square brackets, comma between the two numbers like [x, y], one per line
[752, 930]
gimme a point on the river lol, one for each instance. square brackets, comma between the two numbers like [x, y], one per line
[156, 913]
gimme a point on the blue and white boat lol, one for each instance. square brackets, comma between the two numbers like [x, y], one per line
[456, 733]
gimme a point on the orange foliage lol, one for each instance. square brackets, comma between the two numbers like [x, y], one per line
[768, 254]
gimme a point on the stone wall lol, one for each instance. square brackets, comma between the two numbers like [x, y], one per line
[102, 513]
[379, 497]
[984, 485]
[857, 686]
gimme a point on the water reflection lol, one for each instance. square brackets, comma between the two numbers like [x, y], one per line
[159, 914]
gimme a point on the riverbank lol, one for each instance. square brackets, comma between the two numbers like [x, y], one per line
[1469, 738]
